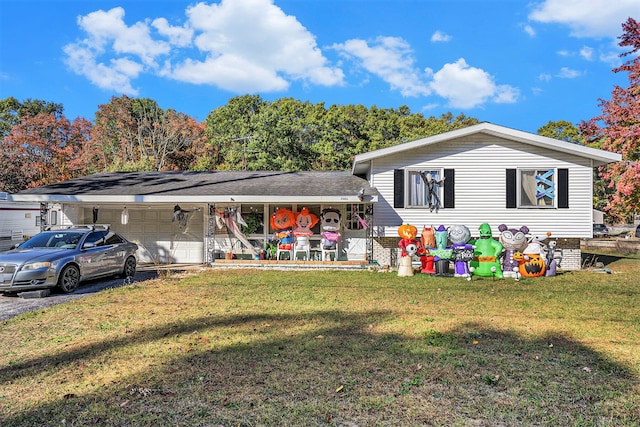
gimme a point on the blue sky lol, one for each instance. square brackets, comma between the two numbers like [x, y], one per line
[514, 63]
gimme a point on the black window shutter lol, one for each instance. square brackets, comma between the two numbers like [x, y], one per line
[563, 188]
[449, 188]
[398, 188]
[511, 189]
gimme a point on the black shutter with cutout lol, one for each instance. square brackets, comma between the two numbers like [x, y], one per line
[449, 188]
[398, 188]
[512, 192]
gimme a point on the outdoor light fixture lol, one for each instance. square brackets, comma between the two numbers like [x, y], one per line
[124, 216]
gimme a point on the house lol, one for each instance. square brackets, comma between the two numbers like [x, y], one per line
[479, 174]
[485, 174]
[191, 217]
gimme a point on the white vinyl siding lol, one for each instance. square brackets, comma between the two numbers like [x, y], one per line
[480, 162]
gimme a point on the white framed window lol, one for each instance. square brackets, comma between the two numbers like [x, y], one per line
[425, 188]
[537, 188]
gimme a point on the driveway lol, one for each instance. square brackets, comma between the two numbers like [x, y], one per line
[11, 306]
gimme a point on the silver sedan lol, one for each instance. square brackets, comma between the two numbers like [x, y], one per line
[64, 258]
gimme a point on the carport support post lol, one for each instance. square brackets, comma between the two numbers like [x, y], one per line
[44, 210]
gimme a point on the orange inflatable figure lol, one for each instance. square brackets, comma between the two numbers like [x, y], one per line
[283, 221]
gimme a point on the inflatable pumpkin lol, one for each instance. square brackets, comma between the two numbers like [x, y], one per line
[530, 265]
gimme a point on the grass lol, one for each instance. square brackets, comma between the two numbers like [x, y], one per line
[276, 348]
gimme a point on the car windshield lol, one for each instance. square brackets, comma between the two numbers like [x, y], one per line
[59, 239]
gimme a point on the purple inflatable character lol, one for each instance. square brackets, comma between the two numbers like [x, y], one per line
[513, 240]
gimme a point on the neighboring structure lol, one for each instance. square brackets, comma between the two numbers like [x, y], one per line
[491, 174]
[482, 173]
[19, 221]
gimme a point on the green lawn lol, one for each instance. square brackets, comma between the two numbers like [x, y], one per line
[293, 348]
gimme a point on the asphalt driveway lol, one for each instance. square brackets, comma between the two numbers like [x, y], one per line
[14, 305]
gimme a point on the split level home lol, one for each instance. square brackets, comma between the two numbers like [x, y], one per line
[479, 174]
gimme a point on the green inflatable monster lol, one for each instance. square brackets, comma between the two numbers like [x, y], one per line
[487, 250]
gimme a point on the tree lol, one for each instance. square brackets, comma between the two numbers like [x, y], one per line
[136, 134]
[43, 149]
[13, 111]
[618, 129]
[562, 130]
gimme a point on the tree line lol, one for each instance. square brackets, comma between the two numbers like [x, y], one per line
[41, 146]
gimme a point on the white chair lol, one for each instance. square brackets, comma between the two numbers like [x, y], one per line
[302, 246]
[284, 251]
[326, 254]
[304, 251]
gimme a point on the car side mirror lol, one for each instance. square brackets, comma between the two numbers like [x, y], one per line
[89, 245]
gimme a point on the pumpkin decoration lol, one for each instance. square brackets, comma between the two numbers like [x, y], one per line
[530, 265]
[407, 231]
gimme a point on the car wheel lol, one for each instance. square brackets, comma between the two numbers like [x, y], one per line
[69, 279]
[129, 267]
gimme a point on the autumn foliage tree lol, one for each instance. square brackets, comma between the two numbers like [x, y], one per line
[136, 134]
[618, 129]
[43, 149]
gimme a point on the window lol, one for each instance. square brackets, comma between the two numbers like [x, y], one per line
[113, 239]
[537, 188]
[355, 216]
[253, 216]
[425, 188]
[96, 237]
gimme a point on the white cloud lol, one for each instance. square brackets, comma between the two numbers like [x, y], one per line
[258, 34]
[178, 36]
[545, 77]
[586, 52]
[568, 73]
[244, 45]
[440, 36]
[529, 30]
[390, 58]
[468, 87]
[587, 18]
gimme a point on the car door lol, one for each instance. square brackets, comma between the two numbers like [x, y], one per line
[114, 253]
[92, 258]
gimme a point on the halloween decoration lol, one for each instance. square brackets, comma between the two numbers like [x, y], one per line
[408, 243]
[330, 219]
[530, 260]
[513, 240]
[232, 219]
[282, 221]
[305, 220]
[427, 240]
[95, 214]
[441, 253]
[487, 249]
[553, 257]
[432, 184]
[409, 246]
[459, 235]
[531, 265]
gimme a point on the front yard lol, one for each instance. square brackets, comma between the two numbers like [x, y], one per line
[256, 348]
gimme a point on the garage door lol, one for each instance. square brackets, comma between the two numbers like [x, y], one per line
[161, 241]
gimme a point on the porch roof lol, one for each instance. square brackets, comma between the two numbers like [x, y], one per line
[207, 187]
